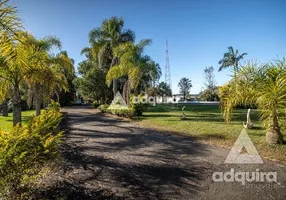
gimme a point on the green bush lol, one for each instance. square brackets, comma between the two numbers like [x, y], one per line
[25, 149]
[129, 113]
[134, 110]
[95, 104]
[117, 110]
[103, 108]
[54, 106]
[138, 108]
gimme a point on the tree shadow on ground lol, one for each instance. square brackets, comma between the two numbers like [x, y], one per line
[127, 162]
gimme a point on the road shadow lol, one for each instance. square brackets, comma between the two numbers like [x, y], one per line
[129, 162]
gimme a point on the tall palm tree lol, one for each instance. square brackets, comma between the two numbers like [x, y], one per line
[4, 93]
[105, 39]
[185, 85]
[151, 74]
[264, 86]
[9, 24]
[14, 68]
[231, 58]
[41, 63]
[9, 20]
[131, 62]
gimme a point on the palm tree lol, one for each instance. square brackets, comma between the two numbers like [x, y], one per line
[9, 25]
[151, 74]
[13, 68]
[4, 93]
[40, 63]
[9, 20]
[264, 86]
[105, 39]
[131, 62]
[231, 58]
[185, 85]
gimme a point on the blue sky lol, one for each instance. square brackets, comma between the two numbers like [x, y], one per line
[198, 31]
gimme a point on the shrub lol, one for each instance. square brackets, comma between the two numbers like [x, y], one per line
[117, 110]
[140, 107]
[95, 104]
[25, 149]
[54, 106]
[129, 113]
[103, 108]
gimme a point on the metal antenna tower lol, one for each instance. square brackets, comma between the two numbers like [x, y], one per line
[167, 68]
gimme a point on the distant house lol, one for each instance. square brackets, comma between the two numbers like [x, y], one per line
[191, 97]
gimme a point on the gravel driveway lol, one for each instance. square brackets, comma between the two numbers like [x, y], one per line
[110, 158]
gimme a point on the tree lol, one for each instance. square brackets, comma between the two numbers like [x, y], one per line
[91, 85]
[105, 39]
[9, 20]
[151, 73]
[65, 64]
[209, 77]
[131, 62]
[209, 94]
[14, 68]
[9, 25]
[211, 91]
[164, 89]
[231, 58]
[264, 86]
[4, 91]
[41, 74]
[185, 85]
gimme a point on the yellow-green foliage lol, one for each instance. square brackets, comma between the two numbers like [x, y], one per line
[54, 106]
[25, 149]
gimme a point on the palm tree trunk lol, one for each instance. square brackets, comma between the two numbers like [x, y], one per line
[37, 99]
[58, 96]
[235, 67]
[126, 92]
[30, 97]
[17, 109]
[114, 81]
[273, 135]
[5, 108]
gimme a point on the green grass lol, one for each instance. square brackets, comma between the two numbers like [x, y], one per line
[205, 123]
[6, 123]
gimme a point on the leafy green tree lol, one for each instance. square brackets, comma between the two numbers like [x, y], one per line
[9, 25]
[264, 86]
[41, 74]
[104, 40]
[131, 62]
[185, 85]
[211, 91]
[66, 67]
[91, 85]
[210, 94]
[164, 89]
[9, 20]
[231, 58]
[209, 77]
[13, 66]
[4, 93]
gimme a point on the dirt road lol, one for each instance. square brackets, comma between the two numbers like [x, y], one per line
[111, 158]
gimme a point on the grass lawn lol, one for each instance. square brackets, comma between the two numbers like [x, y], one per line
[6, 123]
[205, 123]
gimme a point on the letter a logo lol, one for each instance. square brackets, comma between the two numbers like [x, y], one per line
[251, 157]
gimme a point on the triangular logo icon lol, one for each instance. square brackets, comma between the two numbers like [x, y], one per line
[235, 156]
[118, 102]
